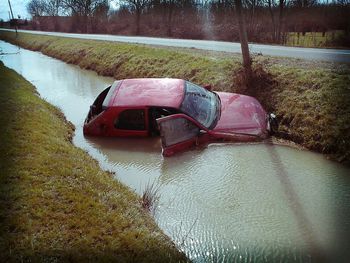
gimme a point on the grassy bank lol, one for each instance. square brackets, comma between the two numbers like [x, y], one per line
[55, 202]
[311, 99]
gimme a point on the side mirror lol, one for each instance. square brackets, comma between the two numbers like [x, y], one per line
[208, 87]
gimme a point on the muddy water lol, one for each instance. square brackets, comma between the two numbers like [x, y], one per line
[222, 203]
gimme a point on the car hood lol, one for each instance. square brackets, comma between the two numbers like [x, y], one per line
[241, 114]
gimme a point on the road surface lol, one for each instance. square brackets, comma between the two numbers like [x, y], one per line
[319, 54]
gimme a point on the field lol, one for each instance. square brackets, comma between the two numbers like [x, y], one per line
[315, 39]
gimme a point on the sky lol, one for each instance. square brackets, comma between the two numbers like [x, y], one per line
[18, 8]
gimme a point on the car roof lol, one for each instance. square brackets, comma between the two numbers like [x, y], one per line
[158, 92]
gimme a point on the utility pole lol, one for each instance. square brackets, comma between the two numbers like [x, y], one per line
[13, 17]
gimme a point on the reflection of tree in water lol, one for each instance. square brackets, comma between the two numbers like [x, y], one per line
[293, 200]
[2, 53]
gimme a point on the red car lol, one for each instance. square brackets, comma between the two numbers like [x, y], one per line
[182, 113]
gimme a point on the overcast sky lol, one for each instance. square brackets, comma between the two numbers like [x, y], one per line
[18, 8]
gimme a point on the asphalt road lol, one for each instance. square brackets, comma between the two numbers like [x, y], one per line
[319, 54]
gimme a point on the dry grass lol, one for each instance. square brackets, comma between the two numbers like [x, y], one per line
[150, 197]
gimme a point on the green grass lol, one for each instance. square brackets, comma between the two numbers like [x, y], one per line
[315, 110]
[315, 39]
[309, 98]
[55, 202]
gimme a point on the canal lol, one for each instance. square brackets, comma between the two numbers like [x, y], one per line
[222, 203]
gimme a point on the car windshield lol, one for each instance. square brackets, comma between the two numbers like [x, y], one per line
[201, 104]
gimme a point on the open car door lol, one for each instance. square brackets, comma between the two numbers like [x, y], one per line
[178, 133]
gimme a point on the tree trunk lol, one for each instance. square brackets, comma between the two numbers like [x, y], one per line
[280, 21]
[244, 42]
[138, 16]
[86, 24]
[274, 33]
[169, 21]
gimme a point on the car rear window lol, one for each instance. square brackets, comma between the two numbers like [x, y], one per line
[110, 93]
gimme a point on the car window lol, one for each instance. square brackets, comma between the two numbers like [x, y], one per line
[177, 130]
[200, 104]
[131, 120]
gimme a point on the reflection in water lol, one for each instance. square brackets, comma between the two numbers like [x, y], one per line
[132, 145]
[296, 207]
[222, 203]
[136, 161]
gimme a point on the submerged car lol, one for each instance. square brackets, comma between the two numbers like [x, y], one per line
[182, 113]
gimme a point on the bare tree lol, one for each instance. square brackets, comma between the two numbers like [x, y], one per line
[281, 5]
[303, 3]
[83, 7]
[36, 8]
[252, 7]
[83, 10]
[244, 42]
[271, 6]
[52, 7]
[137, 6]
[277, 23]
[343, 3]
[44, 7]
[169, 7]
[100, 18]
